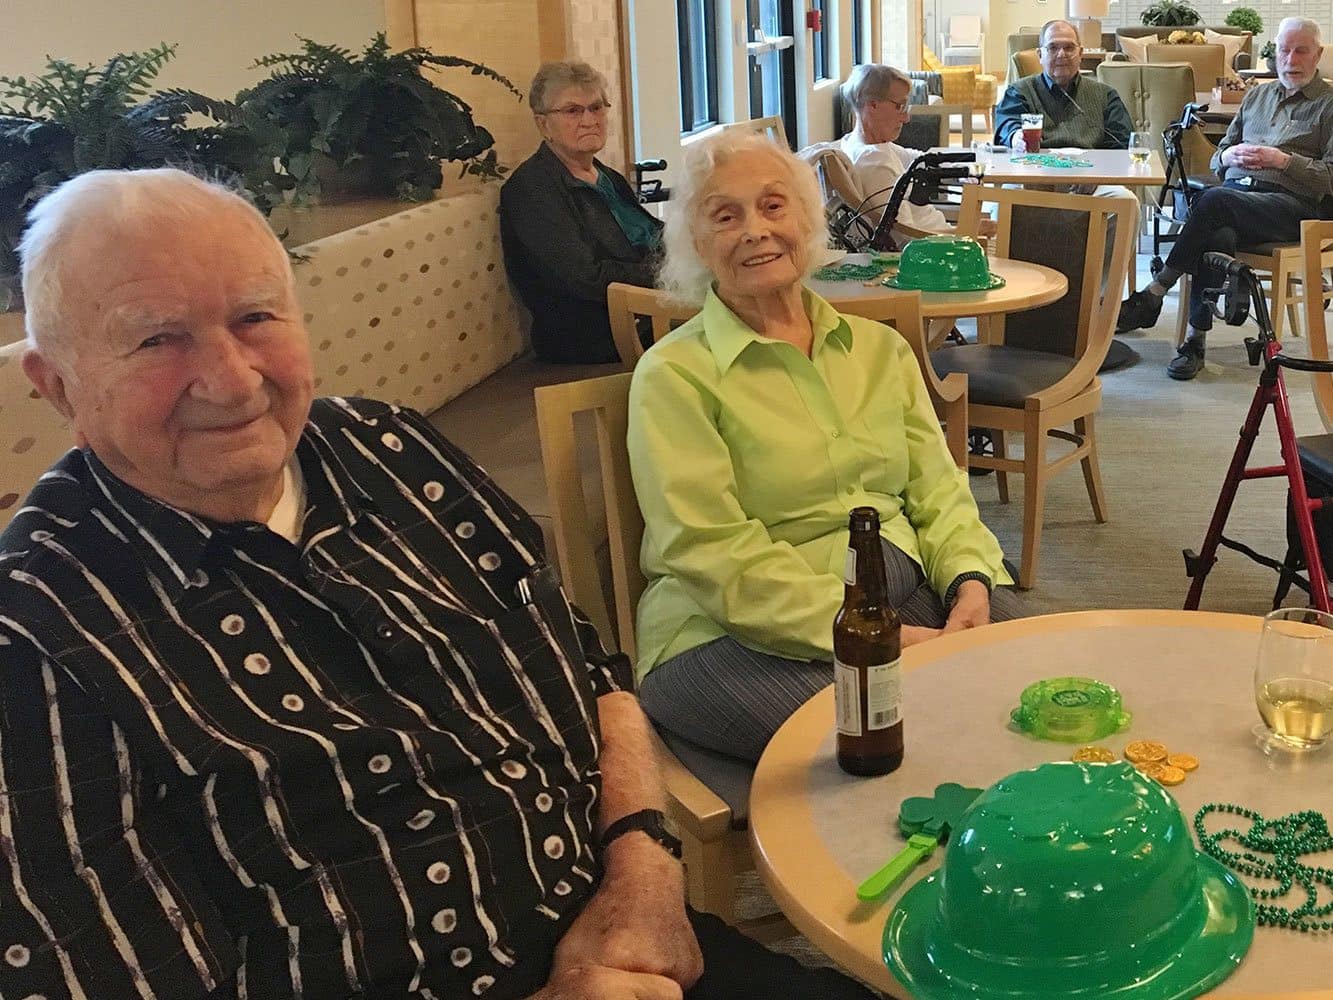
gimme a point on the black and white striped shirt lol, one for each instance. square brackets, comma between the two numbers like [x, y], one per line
[232, 766]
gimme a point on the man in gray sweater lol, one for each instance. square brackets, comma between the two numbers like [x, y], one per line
[1078, 110]
[1276, 168]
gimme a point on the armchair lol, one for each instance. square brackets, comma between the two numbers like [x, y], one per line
[964, 43]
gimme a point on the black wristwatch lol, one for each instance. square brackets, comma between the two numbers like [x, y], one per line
[649, 821]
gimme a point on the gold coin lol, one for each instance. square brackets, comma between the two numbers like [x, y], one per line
[1169, 775]
[1145, 750]
[1093, 755]
[1184, 761]
[1151, 769]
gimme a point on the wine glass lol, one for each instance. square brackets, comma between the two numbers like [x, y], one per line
[1293, 679]
[1140, 147]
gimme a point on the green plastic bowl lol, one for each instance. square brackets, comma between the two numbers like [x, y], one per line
[1071, 881]
[944, 264]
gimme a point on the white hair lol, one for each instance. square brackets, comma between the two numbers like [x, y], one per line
[871, 82]
[1300, 25]
[684, 275]
[106, 201]
[553, 77]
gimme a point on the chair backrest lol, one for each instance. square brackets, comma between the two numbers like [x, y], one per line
[926, 129]
[579, 534]
[770, 125]
[965, 29]
[1022, 41]
[948, 396]
[1207, 61]
[1153, 95]
[627, 303]
[949, 113]
[1317, 249]
[1072, 234]
[1024, 63]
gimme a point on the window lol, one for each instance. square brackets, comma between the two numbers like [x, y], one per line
[696, 26]
[861, 32]
[821, 40]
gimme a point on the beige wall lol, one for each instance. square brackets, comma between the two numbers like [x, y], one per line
[217, 40]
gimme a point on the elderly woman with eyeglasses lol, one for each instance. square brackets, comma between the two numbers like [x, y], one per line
[754, 429]
[571, 225]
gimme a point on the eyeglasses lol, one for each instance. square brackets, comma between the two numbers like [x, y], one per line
[573, 112]
[1061, 49]
[900, 105]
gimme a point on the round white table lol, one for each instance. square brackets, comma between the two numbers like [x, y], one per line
[1186, 676]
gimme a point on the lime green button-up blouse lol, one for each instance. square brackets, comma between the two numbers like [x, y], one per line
[748, 456]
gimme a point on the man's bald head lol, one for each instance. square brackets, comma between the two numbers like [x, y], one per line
[80, 222]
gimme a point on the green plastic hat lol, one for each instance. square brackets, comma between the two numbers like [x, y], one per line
[944, 264]
[1070, 709]
[1071, 881]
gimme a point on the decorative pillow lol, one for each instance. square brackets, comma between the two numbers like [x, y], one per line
[1136, 48]
[1231, 43]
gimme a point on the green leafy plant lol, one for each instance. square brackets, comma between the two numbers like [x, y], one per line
[1269, 52]
[71, 119]
[1169, 14]
[375, 114]
[1245, 18]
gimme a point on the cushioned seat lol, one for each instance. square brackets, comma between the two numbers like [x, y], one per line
[726, 777]
[999, 375]
[1316, 452]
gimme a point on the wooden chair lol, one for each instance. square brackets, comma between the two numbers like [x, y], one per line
[949, 394]
[770, 125]
[626, 303]
[1280, 266]
[1316, 261]
[1037, 372]
[716, 849]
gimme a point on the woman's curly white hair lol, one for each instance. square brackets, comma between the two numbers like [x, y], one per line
[684, 275]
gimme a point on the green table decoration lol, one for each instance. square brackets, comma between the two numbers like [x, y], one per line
[1059, 161]
[1272, 849]
[925, 822]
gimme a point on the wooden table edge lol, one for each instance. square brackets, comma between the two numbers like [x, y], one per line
[779, 804]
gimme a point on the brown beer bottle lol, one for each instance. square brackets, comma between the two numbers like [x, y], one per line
[867, 640]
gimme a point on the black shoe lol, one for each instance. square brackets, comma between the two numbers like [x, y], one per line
[1188, 361]
[1139, 312]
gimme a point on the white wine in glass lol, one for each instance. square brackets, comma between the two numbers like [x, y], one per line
[1293, 679]
[1140, 147]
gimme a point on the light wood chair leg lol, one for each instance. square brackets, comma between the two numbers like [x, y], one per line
[1184, 285]
[710, 877]
[1034, 500]
[1092, 473]
[1277, 298]
[1001, 478]
[1295, 296]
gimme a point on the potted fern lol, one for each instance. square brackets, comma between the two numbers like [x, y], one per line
[70, 119]
[1169, 14]
[373, 123]
[1245, 18]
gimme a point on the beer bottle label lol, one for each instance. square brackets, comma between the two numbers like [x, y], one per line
[849, 568]
[884, 695]
[847, 698]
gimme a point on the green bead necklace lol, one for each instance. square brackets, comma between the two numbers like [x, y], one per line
[854, 272]
[1273, 848]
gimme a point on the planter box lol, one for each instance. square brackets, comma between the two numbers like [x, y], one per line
[1228, 96]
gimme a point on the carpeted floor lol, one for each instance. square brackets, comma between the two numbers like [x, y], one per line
[1164, 446]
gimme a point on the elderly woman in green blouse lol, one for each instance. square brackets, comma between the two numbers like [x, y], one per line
[753, 430]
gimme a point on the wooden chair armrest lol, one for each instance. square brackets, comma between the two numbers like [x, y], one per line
[696, 807]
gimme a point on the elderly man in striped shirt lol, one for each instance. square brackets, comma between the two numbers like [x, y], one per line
[292, 705]
[1276, 168]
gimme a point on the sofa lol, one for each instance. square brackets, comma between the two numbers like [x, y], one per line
[414, 308]
[1244, 58]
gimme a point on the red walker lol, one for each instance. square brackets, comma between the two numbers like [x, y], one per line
[1242, 288]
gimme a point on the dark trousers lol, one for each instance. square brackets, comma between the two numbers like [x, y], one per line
[736, 968]
[1227, 219]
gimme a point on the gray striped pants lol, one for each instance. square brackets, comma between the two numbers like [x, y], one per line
[730, 699]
